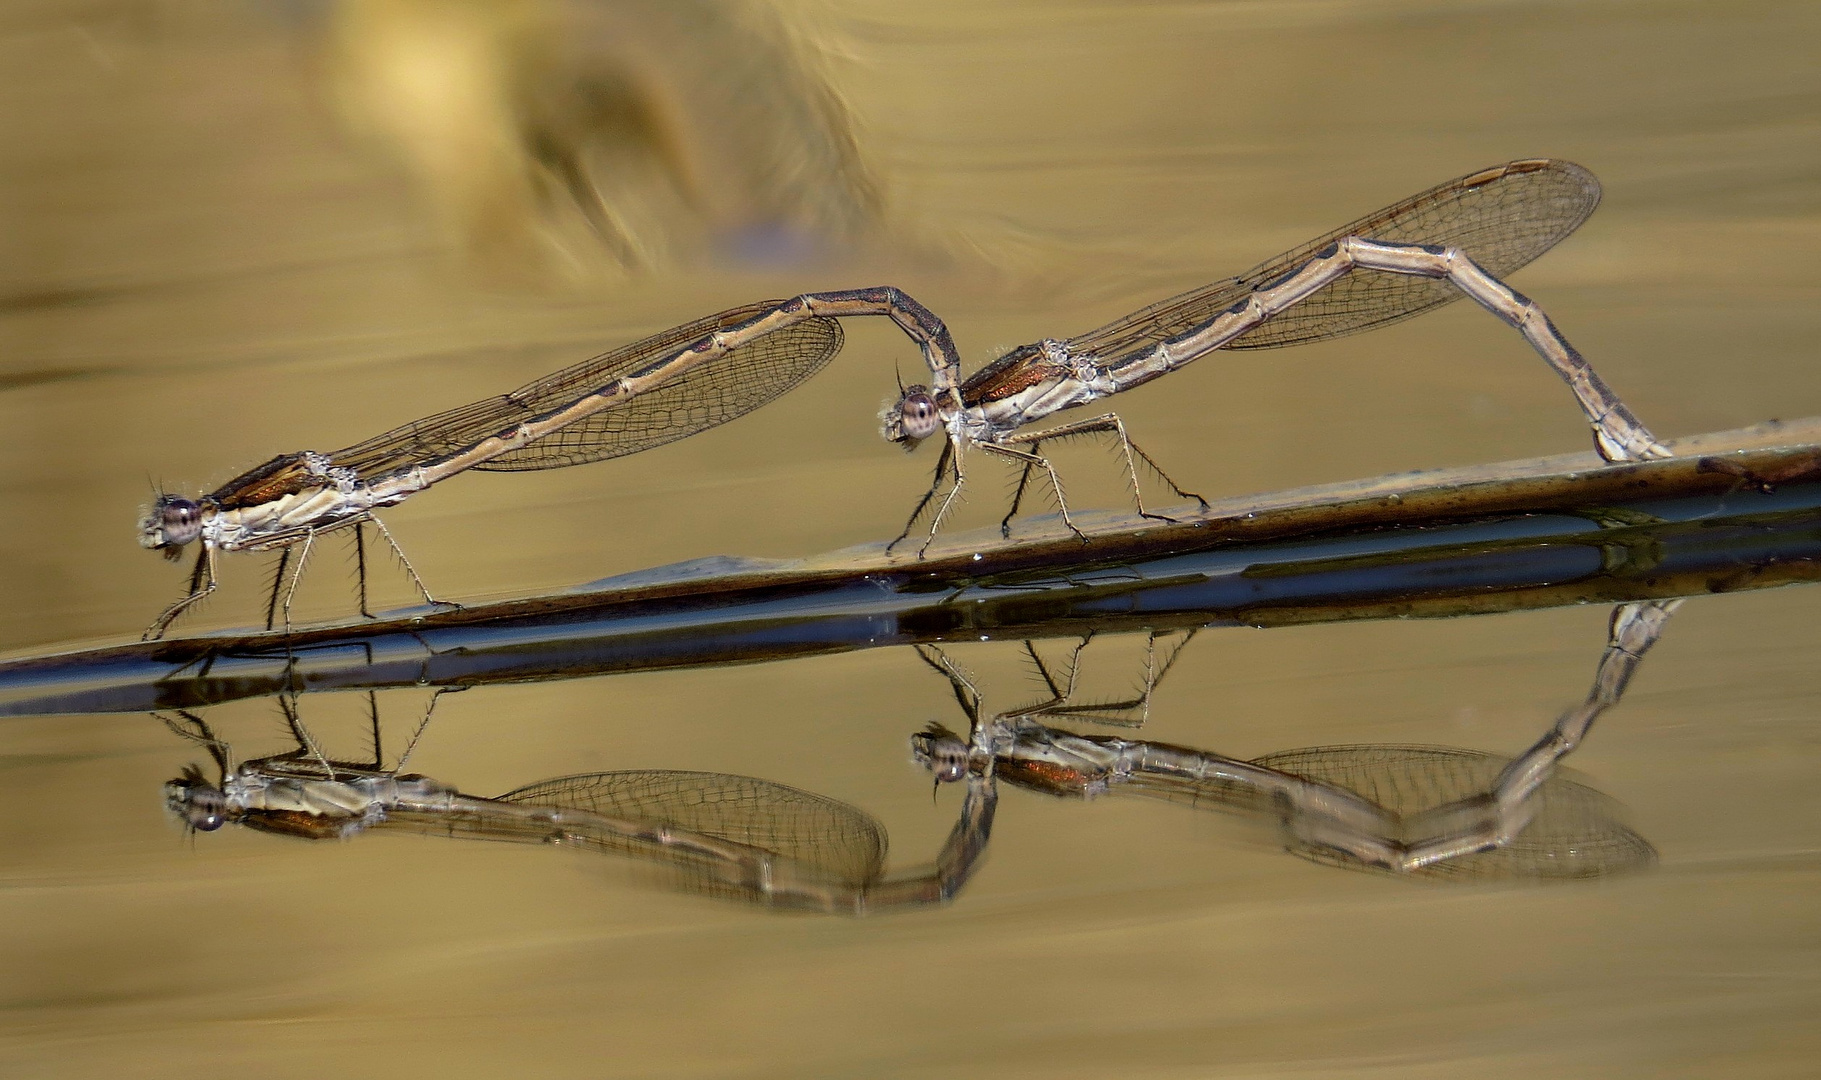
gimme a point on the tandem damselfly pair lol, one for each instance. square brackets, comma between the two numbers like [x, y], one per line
[1458, 239]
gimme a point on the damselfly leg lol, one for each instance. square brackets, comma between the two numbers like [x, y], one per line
[202, 583]
[1062, 682]
[1161, 651]
[1104, 424]
[286, 577]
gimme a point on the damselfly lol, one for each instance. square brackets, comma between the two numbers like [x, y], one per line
[664, 388]
[735, 837]
[1419, 810]
[1454, 240]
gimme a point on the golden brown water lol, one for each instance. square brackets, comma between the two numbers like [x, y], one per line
[205, 260]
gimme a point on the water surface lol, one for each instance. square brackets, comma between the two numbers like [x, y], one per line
[205, 265]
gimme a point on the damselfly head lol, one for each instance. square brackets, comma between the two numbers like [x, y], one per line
[912, 418]
[170, 523]
[199, 804]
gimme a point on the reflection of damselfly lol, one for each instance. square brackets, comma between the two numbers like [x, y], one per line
[1421, 810]
[1454, 240]
[664, 388]
[736, 837]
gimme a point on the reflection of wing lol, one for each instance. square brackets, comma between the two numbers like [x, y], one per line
[1573, 833]
[712, 393]
[1501, 217]
[831, 839]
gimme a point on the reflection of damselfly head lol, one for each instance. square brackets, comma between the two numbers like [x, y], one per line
[199, 804]
[941, 751]
[269, 796]
[171, 522]
[912, 418]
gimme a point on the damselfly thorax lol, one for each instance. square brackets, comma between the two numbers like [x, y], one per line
[274, 505]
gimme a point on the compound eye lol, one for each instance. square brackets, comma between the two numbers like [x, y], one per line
[944, 753]
[920, 417]
[181, 520]
[202, 806]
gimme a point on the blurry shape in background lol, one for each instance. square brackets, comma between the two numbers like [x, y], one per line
[598, 135]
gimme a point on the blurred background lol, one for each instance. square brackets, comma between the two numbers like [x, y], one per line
[235, 228]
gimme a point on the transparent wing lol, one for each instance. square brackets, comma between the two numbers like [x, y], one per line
[831, 839]
[1575, 832]
[709, 394]
[1501, 217]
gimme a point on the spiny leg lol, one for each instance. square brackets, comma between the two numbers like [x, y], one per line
[1039, 461]
[409, 569]
[379, 758]
[1134, 448]
[196, 729]
[951, 458]
[1035, 442]
[1132, 453]
[278, 580]
[429, 710]
[1099, 424]
[1154, 674]
[196, 571]
[948, 502]
[205, 565]
[303, 560]
[360, 565]
[1024, 480]
[1156, 671]
[1059, 692]
[306, 743]
[1109, 712]
[935, 485]
[967, 695]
